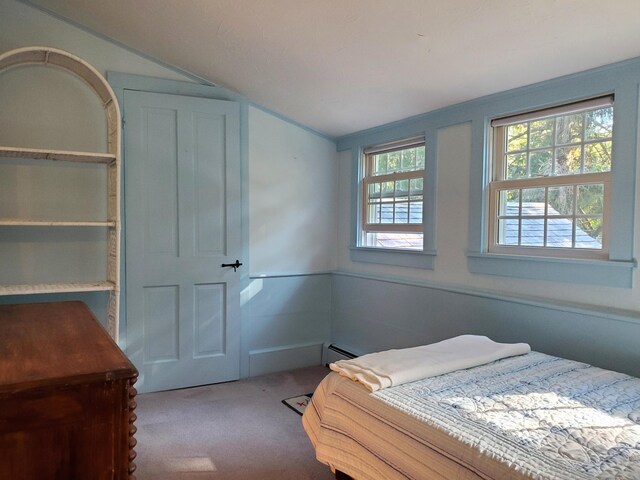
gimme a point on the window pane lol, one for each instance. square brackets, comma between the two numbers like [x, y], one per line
[590, 199]
[568, 160]
[533, 202]
[517, 136]
[374, 214]
[559, 232]
[508, 231]
[560, 200]
[402, 213]
[416, 186]
[532, 232]
[597, 157]
[569, 128]
[394, 161]
[408, 159]
[540, 164]
[509, 202]
[380, 164]
[402, 188]
[516, 165]
[386, 211]
[420, 156]
[374, 192]
[541, 133]
[599, 124]
[388, 189]
[415, 212]
[589, 232]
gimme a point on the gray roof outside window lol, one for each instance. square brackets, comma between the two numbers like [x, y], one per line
[559, 230]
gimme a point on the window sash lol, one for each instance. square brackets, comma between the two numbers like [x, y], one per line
[499, 152]
[496, 187]
[366, 203]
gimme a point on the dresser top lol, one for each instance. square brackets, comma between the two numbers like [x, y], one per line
[52, 344]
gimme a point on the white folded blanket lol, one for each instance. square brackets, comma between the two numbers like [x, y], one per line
[395, 367]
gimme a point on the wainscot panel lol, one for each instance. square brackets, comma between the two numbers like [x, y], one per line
[285, 321]
[273, 360]
[372, 314]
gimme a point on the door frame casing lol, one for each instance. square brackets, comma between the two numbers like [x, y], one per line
[122, 81]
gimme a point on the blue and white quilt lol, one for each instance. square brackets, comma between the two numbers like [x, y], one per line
[547, 417]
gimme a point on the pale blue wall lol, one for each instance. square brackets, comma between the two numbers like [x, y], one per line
[292, 189]
[286, 320]
[374, 314]
[570, 309]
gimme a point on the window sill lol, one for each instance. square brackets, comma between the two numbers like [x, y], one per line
[401, 258]
[594, 272]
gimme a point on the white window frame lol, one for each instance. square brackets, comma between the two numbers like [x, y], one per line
[498, 183]
[368, 156]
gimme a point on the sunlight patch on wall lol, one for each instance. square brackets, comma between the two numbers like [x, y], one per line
[250, 291]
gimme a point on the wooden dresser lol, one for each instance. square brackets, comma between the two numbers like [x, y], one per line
[66, 396]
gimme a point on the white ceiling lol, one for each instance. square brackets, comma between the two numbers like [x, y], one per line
[339, 66]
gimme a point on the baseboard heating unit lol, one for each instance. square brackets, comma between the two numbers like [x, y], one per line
[332, 353]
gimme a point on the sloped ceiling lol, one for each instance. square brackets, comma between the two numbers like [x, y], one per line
[339, 66]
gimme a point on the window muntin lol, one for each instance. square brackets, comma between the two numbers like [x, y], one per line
[393, 195]
[551, 181]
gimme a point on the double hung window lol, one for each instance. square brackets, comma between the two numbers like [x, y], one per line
[550, 181]
[393, 195]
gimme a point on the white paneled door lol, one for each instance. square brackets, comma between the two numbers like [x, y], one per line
[182, 213]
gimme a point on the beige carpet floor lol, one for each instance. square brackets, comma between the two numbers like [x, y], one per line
[238, 430]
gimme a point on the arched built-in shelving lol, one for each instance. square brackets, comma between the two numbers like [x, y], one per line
[53, 57]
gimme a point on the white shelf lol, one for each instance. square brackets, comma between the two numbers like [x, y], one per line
[56, 288]
[17, 222]
[59, 155]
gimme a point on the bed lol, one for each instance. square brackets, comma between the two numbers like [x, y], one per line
[527, 416]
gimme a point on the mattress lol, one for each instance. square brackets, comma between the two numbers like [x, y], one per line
[531, 416]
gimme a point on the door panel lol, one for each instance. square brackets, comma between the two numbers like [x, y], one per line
[160, 189]
[182, 186]
[210, 181]
[210, 320]
[160, 324]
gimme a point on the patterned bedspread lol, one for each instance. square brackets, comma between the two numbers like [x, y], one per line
[552, 417]
[539, 416]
